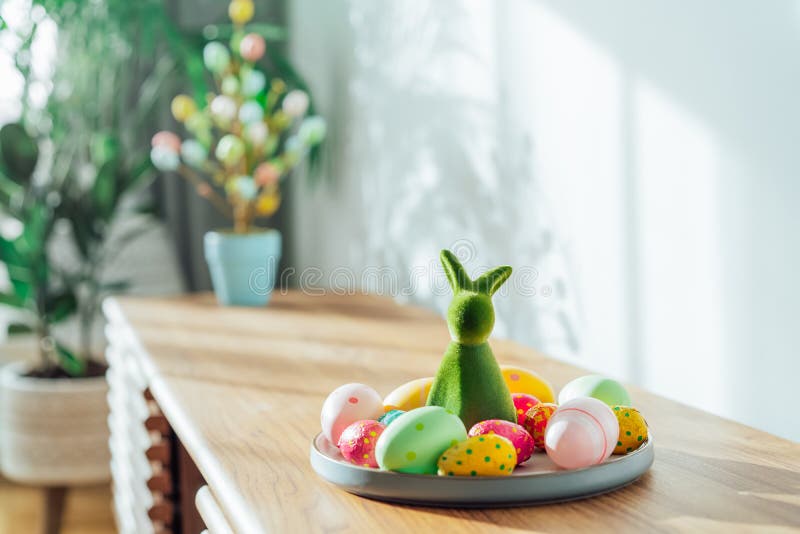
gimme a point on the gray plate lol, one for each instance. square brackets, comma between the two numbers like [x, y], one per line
[538, 481]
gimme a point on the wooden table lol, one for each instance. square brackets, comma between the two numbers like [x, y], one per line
[242, 389]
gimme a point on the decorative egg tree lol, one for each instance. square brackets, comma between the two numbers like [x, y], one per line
[245, 138]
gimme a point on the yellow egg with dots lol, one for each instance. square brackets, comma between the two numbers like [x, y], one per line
[183, 107]
[632, 429]
[241, 11]
[521, 380]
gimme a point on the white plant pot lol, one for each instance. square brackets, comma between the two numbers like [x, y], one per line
[53, 432]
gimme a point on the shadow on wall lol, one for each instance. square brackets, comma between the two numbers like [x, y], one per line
[422, 160]
[712, 165]
[653, 209]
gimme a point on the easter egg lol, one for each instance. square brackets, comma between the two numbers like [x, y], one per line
[223, 108]
[632, 429]
[216, 57]
[390, 416]
[253, 82]
[251, 112]
[241, 11]
[266, 174]
[167, 139]
[193, 153]
[295, 103]
[312, 130]
[517, 435]
[581, 433]
[252, 47]
[268, 203]
[522, 403]
[242, 186]
[605, 389]
[164, 158]
[230, 149]
[521, 380]
[182, 107]
[536, 421]
[256, 133]
[488, 455]
[357, 442]
[346, 405]
[230, 85]
[410, 395]
[416, 439]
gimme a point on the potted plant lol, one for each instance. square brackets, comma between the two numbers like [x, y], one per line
[70, 176]
[52, 414]
[246, 137]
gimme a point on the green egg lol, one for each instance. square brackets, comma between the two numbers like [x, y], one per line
[415, 440]
[601, 388]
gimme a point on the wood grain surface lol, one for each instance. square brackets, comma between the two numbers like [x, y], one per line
[243, 388]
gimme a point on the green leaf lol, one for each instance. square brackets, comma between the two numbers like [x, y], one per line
[103, 148]
[19, 152]
[15, 329]
[105, 189]
[70, 362]
[59, 306]
[11, 300]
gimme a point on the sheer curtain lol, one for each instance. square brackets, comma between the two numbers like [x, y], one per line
[633, 162]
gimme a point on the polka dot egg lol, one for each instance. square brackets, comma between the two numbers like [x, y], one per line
[415, 440]
[346, 405]
[536, 421]
[357, 442]
[522, 403]
[484, 455]
[632, 429]
[516, 434]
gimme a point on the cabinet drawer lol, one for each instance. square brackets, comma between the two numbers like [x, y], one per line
[211, 512]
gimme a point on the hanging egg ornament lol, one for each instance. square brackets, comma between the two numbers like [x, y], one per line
[216, 57]
[243, 187]
[182, 108]
[164, 158]
[166, 139]
[198, 123]
[266, 174]
[223, 109]
[312, 130]
[230, 150]
[252, 47]
[295, 103]
[193, 153]
[230, 85]
[267, 204]
[251, 112]
[256, 133]
[253, 82]
[241, 11]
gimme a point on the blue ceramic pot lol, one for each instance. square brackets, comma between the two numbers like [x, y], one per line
[243, 266]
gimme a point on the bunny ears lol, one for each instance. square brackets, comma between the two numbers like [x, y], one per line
[488, 283]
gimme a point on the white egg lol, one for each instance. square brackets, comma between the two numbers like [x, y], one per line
[346, 405]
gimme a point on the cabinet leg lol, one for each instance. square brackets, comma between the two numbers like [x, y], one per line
[54, 498]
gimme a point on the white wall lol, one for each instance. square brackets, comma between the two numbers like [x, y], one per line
[640, 156]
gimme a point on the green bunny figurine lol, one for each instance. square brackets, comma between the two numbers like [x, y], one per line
[469, 382]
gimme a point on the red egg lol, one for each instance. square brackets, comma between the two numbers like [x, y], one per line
[357, 442]
[523, 402]
[517, 435]
[536, 421]
[252, 47]
[167, 139]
